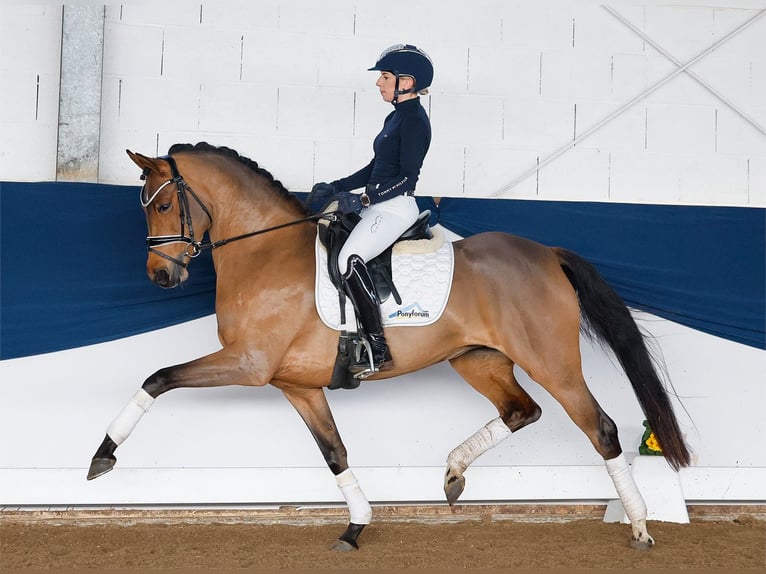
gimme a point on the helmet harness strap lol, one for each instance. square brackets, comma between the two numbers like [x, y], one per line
[397, 91]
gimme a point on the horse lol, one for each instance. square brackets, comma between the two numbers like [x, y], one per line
[513, 301]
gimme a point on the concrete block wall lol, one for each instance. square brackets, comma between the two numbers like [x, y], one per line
[30, 57]
[285, 83]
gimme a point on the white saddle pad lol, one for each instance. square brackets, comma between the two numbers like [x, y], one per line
[422, 272]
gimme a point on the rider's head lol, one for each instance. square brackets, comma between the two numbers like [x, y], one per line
[405, 70]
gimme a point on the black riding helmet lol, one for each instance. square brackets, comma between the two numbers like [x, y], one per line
[406, 60]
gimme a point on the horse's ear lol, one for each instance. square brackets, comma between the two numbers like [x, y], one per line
[148, 164]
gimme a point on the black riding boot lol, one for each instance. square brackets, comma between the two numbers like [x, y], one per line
[361, 290]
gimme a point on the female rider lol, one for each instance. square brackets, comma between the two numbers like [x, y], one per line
[387, 204]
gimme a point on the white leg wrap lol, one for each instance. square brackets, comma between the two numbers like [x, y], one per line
[359, 509]
[487, 437]
[626, 488]
[127, 420]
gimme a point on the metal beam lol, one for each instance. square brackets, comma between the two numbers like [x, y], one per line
[677, 62]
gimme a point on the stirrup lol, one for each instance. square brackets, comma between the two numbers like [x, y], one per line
[362, 370]
[370, 368]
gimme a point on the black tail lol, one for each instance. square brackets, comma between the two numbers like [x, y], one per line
[607, 318]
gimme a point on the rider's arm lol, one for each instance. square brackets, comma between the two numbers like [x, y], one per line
[355, 180]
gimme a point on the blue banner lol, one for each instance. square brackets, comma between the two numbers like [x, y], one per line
[72, 262]
[703, 267]
[73, 269]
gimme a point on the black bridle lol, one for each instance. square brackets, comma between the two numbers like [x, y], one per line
[194, 247]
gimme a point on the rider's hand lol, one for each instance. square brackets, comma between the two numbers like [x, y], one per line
[348, 202]
[322, 192]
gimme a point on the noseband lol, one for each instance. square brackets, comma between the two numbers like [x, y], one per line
[194, 247]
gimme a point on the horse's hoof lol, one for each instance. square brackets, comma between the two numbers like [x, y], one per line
[344, 546]
[99, 466]
[453, 486]
[644, 545]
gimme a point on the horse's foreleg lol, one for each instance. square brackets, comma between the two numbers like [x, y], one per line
[219, 369]
[104, 459]
[312, 405]
[491, 373]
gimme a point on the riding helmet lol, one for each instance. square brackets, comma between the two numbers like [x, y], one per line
[406, 60]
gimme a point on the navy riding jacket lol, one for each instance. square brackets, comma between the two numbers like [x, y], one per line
[400, 149]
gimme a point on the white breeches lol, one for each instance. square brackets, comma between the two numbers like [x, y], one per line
[381, 225]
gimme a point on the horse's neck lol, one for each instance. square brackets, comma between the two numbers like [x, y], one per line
[259, 268]
[242, 203]
[241, 215]
[242, 210]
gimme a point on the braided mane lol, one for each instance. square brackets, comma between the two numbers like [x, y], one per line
[276, 185]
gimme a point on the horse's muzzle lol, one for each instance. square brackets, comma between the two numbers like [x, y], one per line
[165, 279]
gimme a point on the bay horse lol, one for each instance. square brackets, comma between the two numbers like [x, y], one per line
[513, 302]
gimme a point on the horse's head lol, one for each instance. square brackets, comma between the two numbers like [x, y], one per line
[172, 220]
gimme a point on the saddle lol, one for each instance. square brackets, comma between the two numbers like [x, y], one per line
[334, 234]
[353, 345]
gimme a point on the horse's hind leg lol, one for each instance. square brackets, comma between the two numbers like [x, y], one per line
[491, 373]
[584, 410]
[312, 405]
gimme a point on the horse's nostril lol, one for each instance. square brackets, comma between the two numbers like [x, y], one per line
[162, 277]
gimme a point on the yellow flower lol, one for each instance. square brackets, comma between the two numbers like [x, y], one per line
[652, 443]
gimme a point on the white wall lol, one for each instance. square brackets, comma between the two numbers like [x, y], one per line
[30, 57]
[285, 83]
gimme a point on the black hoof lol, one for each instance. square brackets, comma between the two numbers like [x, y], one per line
[99, 466]
[347, 541]
[104, 459]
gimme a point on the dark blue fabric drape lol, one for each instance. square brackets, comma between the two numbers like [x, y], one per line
[703, 267]
[73, 269]
[72, 262]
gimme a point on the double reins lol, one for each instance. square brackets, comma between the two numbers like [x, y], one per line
[197, 247]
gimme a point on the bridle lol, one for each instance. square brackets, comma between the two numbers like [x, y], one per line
[195, 247]
[183, 191]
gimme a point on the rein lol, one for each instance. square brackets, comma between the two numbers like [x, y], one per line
[197, 247]
[216, 244]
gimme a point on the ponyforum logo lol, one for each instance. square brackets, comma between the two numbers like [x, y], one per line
[414, 311]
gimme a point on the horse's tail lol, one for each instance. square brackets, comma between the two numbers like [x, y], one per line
[606, 317]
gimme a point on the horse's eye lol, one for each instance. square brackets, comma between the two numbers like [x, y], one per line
[163, 207]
